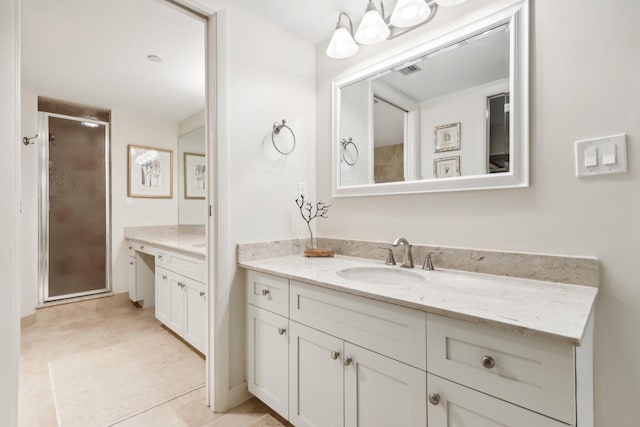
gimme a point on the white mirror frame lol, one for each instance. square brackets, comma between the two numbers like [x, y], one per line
[517, 16]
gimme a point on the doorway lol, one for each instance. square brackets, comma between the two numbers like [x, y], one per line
[74, 229]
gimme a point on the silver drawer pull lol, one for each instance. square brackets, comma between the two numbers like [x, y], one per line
[434, 398]
[141, 247]
[487, 362]
[182, 285]
[130, 247]
[130, 262]
[281, 331]
[164, 277]
[265, 292]
[160, 257]
[347, 361]
[201, 294]
[335, 355]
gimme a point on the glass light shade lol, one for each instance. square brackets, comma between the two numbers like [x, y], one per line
[409, 13]
[341, 44]
[372, 28]
[449, 2]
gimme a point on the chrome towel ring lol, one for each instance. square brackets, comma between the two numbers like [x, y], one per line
[277, 127]
[344, 144]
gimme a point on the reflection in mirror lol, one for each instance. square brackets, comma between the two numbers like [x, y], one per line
[443, 115]
[192, 205]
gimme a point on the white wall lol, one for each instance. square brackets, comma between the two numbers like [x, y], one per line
[584, 83]
[468, 107]
[132, 128]
[9, 223]
[29, 217]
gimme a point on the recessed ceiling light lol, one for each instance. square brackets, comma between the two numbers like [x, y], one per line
[154, 58]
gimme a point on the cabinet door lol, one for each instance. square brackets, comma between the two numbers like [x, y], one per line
[383, 392]
[196, 315]
[178, 304]
[268, 358]
[316, 390]
[163, 296]
[133, 296]
[459, 406]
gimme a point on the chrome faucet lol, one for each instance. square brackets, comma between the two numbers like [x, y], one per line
[407, 261]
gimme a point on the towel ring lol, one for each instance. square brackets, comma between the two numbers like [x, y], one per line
[344, 144]
[277, 127]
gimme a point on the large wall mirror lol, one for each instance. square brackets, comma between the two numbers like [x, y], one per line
[450, 115]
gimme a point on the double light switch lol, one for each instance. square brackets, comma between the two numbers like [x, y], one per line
[601, 156]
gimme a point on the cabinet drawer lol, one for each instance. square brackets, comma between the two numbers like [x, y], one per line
[269, 292]
[388, 329]
[530, 371]
[452, 405]
[185, 265]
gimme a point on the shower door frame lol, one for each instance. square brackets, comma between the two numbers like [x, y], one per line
[43, 209]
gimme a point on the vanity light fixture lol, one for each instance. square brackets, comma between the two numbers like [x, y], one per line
[342, 44]
[375, 27]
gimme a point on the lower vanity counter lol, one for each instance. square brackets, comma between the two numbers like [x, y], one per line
[442, 348]
[167, 270]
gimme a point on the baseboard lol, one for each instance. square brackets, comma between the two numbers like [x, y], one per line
[28, 320]
[239, 394]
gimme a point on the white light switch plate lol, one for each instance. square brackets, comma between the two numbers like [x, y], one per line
[603, 147]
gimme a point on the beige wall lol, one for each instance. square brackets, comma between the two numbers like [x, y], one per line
[584, 83]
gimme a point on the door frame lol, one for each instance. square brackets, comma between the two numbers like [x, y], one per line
[217, 362]
[43, 208]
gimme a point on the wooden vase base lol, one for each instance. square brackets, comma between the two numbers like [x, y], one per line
[316, 253]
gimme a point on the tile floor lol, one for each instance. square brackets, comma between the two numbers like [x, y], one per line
[76, 328]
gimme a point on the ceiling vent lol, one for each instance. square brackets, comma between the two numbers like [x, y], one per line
[409, 70]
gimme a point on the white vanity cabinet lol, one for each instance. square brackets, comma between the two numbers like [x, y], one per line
[268, 340]
[354, 361]
[181, 296]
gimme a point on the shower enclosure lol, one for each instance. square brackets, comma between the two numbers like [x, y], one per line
[74, 247]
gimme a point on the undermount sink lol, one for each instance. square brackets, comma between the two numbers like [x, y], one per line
[380, 276]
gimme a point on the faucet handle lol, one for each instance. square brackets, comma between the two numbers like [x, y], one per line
[390, 259]
[428, 264]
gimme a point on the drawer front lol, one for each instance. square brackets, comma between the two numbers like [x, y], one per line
[396, 332]
[268, 292]
[452, 405]
[185, 265]
[530, 371]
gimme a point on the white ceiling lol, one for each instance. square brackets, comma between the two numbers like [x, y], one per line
[95, 52]
[311, 20]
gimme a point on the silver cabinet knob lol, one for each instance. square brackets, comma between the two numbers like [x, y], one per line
[281, 331]
[434, 398]
[201, 294]
[130, 247]
[164, 277]
[130, 262]
[347, 361]
[487, 362]
[141, 247]
[335, 355]
[160, 257]
[265, 292]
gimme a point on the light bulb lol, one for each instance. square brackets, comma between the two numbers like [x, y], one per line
[409, 13]
[372, 28]
[341, 44]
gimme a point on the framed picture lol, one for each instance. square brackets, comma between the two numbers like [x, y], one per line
[446, 167]
[195, 176]
[150, 172]
[447, 137]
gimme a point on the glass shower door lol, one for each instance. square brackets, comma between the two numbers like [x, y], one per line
[76, 186]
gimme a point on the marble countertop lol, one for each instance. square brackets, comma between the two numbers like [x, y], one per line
[188, 239]
[529, 307]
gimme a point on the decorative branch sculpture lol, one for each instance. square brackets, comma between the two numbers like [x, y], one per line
[308, 212]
